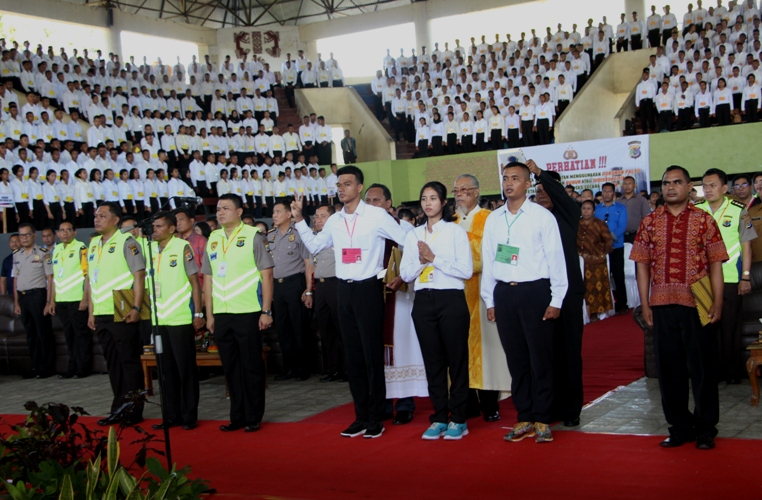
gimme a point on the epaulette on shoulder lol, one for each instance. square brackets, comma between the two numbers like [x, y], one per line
[699, 203]
[737, 203]
[272, 230]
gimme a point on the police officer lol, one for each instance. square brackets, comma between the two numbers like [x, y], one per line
[33, 287]
[737, 233]
[236, 268]
[130, 224]
[176, 284]
[326, 304]
[292, 277]
[115, 261]
[69, 300]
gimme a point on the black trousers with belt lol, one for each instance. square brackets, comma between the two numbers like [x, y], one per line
[442, 320]
[731, 361]
[327, 312]
[527, 132]
[122, 348]
[685, 351]
[361, 318]
[616, 261]
[79, 339]
[567, 354]
[39, 329]
[240, 343]
[181, 391]
[654, 38]
[289, 317]
[543, 131]
[636, 41]
[752, 110]
[528, 344]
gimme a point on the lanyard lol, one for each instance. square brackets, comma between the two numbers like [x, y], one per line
[426, 231]
[351, 234]
[225, 248]
[508, 240]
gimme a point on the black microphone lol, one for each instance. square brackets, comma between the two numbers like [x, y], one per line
[189, 199]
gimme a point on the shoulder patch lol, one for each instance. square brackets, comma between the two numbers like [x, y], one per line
[737, 203]
[188, 254]
[134, 249]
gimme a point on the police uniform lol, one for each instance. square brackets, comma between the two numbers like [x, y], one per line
[111, 266]
[289, 313]
[172, 267]
[736, 228]
[233, 265]
[30, 270]
[69, 272]
[327, 312]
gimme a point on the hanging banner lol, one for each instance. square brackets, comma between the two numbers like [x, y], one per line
[589, 164]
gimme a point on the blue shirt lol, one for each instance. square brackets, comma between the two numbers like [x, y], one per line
[7, 270]
[616, 218]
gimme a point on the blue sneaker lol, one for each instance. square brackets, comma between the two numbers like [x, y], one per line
[456, 431]
[435, 431]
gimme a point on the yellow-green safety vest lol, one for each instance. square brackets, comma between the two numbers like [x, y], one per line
[107, 271]
[728, 218]
[68, 272]
[236, 289]
[174, 288]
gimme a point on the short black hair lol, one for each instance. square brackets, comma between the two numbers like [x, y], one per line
[742, 176]
[673, 168]
[405, 213]
[719, 173]
[351, 170]
[27, 225]
[113, 207]
[608, 184]
[331, 209]
[169, 217]
[386, 191]
[237, 202]
[514, 164]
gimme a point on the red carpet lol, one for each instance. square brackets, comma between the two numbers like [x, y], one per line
[309, 459]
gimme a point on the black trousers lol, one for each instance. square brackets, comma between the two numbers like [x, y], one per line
[86, 219]
[480, 142]
[122, 348]
[730, 356]
[467, 141]
[654, 38]
[722, 112]
[665, 35]
[79, 338]
[581, 80]
[496, 139]
[616, 261]
[527, 132]
[528, 344]
[399, 126]
[685, 351]
[636, 42]
[57, 211]
[684, 118]
[22, 209]
[452, 144]
[240, 343]
[290, 95]
[361, 318]
[423, 149]
[180, 373]
[543, 131]
[704, 118]
[562, 105]
[289, 317]
[40, 215]
[436, 146]
[141, 206]
[327, 312]
[442, 320]
[71, 212]
[567, 354]
[513, 138]
[622, 44]
[665, 120]
[752, 110]
[482, 401]
[39, 329]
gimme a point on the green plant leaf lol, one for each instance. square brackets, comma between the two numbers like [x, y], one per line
[126, 482]
[113, 488]
[154, 467]
[93, 473]
[67, 490]
[113, 453]
[162, 492]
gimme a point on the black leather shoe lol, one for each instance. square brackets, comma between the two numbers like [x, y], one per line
[705, 443]
[673, 441]
[110, 420]
[492, 417]
[251, 427]
[571, 423]
[285, 376]
[190, 427]
[331, 377]
[403, 417]
[66, 375]
[161, 426]
[232, 426]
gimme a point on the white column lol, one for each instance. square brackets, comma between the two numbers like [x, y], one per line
[638, 6]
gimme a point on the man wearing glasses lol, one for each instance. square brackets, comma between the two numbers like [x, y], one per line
[33, 285]
[614, 214]
[742, 189]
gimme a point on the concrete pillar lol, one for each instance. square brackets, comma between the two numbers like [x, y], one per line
[114, 34]
[422, 31]
[638, 6]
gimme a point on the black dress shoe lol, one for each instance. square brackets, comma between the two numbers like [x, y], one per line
[251, 427]
[705, 443]
[161, 426]
[673, 441]
[110, 420]
[403, 417]
[232, 426]
[66, 375]
[492, 417]
[571, 423]
[331, 377]
[285, 376]
[190, 427]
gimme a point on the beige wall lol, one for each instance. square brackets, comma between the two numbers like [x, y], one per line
[593, 112]
[343, 106]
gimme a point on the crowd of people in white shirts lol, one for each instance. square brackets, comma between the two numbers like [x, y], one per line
[509, 93]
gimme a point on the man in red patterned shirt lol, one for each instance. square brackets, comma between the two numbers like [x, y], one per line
[185, 220]
[677, 245]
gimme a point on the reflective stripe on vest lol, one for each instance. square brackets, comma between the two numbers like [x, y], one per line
[728, 218]
[112, 272]
[69, 287]
[236, 292]
[173, 304]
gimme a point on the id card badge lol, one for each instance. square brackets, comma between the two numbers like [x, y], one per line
[157, 287]
[351, 255]
[60, 273]
[222, 271]
[95, 275]
[427, 275]
[507, 254]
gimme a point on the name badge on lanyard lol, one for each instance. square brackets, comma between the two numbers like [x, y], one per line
[351, 255]
[507, 254]
[222, 271]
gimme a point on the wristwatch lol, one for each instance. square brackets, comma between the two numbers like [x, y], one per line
[267, 313]
[746, 273]
[198, 315]
[136, 308]
[308, 294]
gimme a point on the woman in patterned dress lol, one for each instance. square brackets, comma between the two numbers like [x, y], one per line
[594, 242]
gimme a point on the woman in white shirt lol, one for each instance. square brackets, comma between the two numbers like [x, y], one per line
[496, 129]
[161, 188]
[84, 201]
[480, 131]
[138, 193]
[267, 199]
[21, 199]
[422, 139]
[723, 102]
[526, 112]
[247, 191]
[95, 184]
[513, 128]
[126, 198]
[35, 194]
[437, 135]
[65, 191]
[467, 133]
[255, 184]
[223, 185]
[52, 201]
[176, 187]
[151, 193]
[5, 188]
[438, 258]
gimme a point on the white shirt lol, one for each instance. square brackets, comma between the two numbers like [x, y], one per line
[365, 230]
[452, 257]
[535, 232]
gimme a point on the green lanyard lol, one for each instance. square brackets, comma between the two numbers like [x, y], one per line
[508, 241]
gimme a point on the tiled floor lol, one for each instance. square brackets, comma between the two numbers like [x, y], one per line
[633, 409]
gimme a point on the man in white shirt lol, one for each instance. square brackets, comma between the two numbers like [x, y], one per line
[524, 283]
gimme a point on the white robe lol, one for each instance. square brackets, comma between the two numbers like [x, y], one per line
[407, 377]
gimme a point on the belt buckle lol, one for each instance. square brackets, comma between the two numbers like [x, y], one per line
[322, 280]
[280, 280]
[350, 281]
[513, 283]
